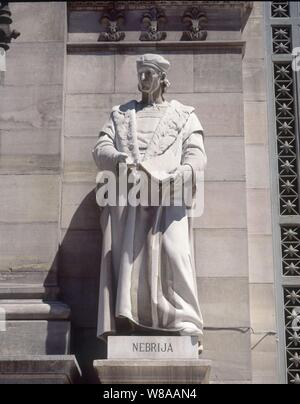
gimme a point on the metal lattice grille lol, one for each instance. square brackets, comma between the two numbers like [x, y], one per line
[292, 321]
[286, 137]
[283, 19]
[280, 9]
[290, 244]
[282, 43]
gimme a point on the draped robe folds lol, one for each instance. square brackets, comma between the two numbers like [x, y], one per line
[147, 264]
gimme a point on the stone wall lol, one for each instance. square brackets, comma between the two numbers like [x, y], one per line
[210, 79]
[55, 100]
[261, 267]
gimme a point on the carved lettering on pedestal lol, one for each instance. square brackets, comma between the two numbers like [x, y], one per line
[152, 347]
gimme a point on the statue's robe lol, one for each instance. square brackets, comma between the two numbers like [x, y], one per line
[147, 266]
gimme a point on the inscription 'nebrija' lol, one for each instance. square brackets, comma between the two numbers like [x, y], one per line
[152, 347]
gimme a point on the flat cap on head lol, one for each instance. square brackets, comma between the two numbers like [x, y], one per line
[152, 60]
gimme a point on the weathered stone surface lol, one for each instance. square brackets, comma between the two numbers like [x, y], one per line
[257, 166]
[29, 198]
[152, 347]
[226, 259]
[42, 142]
[218, 71]
[27, 244]
[255, 115]
[153, 371]
[31, 107]
[80, 253]
[81, 295]
[35, 338]
[262, 307]
[253, 34]
[39, 369]
[224, 206]
[35, 64]
[259, 211]
[261, 265]
[224, 301]
[39, 22]
[227, 116]
[229, 351]
[34, 310]
[92, 73]
[264, 360]
[226, 159]
[254, 80]
[30, 291]
[78, 154]
[79, 208]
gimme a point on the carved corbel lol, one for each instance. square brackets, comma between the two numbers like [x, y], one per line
[6, 34]
[112, 21]
[152, 20]
[196, 21]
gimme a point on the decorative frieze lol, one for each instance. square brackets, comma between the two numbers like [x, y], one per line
[153, 19]
[6, 34]
[196, 20]
[112, 21]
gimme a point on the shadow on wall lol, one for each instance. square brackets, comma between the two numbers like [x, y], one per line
[78, 266]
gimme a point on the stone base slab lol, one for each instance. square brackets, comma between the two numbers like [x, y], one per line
[152, 347]
[42, 369]
[112, 371]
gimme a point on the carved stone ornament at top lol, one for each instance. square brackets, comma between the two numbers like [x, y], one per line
[112, 21]
[196, 21]
[153, 19]
[6, 34]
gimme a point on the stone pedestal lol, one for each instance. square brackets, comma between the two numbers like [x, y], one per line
[152, 360]
[41, 369]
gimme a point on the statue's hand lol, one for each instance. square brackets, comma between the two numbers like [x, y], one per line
[121, 158]
[184, 171]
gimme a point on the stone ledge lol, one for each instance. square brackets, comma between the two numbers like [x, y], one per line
[184, 45]
[34, 310]
[27, 291]
[114, 371]
[244, 6]
[44, 369]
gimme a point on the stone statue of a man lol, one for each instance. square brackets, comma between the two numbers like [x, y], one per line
[148, 281]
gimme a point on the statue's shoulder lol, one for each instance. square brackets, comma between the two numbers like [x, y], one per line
[181, 107]
[123, 108]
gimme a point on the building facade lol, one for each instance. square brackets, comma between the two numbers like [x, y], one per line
[64, 73]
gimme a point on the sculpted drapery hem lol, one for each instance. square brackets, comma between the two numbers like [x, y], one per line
[147, 265]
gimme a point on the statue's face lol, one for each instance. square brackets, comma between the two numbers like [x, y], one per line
[149, 79]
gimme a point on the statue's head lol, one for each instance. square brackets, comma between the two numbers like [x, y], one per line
[152, 73]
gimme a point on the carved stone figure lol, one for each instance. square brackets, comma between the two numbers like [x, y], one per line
[112, 21]
[152, 20]
[148, 281]
[6, 34]
[195, 19]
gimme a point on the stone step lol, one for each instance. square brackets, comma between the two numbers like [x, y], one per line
[20, 309]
